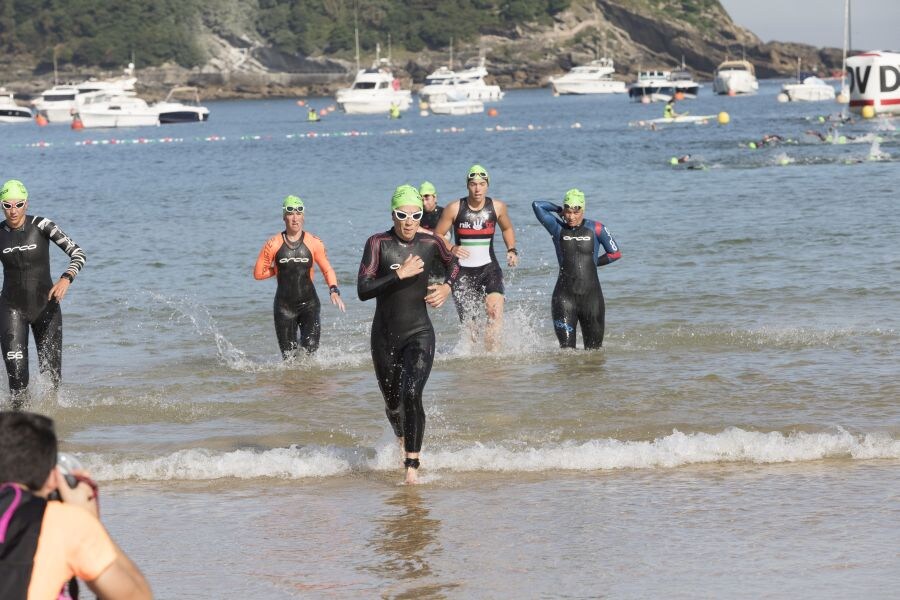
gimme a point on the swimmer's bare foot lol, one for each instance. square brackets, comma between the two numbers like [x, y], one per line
[412, 471]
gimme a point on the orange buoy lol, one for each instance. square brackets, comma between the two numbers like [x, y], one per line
[301, 102]
[76, 123]
[679, 95]
[731, 93]
[492, 112]
[323, 112]
[41, 120]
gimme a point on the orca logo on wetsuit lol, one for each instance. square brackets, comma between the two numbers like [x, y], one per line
[395, 266]
[581, 238]
[288, 260]
[22, 248]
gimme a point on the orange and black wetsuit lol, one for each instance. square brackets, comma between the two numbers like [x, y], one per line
[25, 253]
[296, 302]
[402, 334]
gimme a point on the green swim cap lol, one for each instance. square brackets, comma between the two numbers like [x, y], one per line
[477, 172]
[13, 190]
[574, 198]
[427, 188]
[291, 202]
[406, 195]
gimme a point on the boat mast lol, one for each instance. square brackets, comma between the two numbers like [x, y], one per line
[451, 53]
[356, 32]
[846, 48]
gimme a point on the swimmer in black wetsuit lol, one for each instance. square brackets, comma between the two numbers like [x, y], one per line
[429, 221]
[290, 256]
[392, 270]
[581, 245]
[29, 296]
[474, 220]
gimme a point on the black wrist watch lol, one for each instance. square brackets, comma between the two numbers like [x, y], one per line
[513, 250]
[334, 290]
[67, 276]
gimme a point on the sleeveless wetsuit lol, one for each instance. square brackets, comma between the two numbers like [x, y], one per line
[296, 304]
[402, 339]
[577, 297]
[480, 273]
[429, 221]
[25, 253]
[20, 528]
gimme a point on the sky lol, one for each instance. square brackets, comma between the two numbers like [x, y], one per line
[875, 23]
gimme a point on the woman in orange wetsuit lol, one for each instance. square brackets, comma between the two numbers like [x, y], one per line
[290, 256]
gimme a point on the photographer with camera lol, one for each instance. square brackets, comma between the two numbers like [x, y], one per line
[44, 544]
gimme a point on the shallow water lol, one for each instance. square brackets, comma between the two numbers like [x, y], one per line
[738, 435]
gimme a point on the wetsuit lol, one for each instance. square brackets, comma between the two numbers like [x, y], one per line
[25, 253]
[577, 297]
[480, 272]
[296, 305]
[429, 221]
[402, 335]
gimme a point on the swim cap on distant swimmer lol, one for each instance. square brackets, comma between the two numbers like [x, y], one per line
[427, 189]
[13, 190]
[406, 195]
[477, 172]
[291, 202]
[574, 198]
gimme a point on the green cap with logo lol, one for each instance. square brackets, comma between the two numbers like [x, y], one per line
[574, 198]
[13, 190]
[427, 189]
[292, 202]
[406, 195]
[477, 172]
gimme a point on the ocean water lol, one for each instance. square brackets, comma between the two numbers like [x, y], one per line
[737, 436]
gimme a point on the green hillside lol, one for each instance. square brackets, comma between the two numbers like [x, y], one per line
[106, 33]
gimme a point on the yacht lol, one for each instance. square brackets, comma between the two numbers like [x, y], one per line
[58, 103]
[468, 82]
[188, 111]
[656, 86]
[374, 91]
[114, 109]
[683, 82]
[596, 77]
[10, 112]
[735, 77]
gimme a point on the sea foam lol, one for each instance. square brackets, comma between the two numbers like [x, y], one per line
[677, 449]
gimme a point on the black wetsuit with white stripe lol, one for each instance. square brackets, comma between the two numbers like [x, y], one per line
[25, 253]
[402, 339]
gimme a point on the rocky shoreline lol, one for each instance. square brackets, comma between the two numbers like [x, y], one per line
[241, 67]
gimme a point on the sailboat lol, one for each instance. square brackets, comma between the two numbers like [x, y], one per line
[808, 89]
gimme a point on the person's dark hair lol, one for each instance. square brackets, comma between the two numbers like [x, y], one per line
[27, 448]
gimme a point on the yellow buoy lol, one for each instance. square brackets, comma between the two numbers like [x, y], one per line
[868, 111]
[723, 118]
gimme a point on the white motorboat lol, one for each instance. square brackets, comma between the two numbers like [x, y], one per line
[596, 77]
[655, 86]
[58, 103]
[468, 82]
[875, 81]
[187, 111]
[683, 83]
[10, 112]
[123, 109]
[811, 89]
[374, 91]
[735, 77]
[454, 104]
